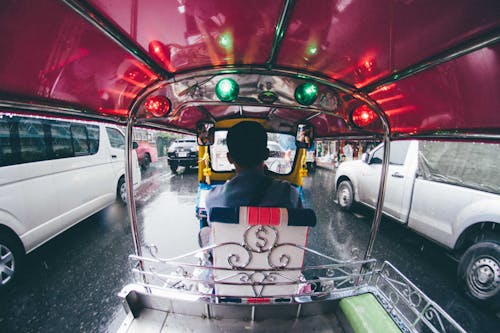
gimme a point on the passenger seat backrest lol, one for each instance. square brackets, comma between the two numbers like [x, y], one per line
[261, 249]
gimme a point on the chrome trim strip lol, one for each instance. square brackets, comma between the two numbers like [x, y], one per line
[95, 18]
[450, 135]
[262, 70]
[474, 44]
[281, 28]
[12, 105]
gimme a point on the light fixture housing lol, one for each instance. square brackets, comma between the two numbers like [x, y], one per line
[158, 106]
[363, 116]
[227, 90]
[306, 93]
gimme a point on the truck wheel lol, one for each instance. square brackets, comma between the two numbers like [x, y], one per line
[173, 167]
[11, 259]
[479, 273]
[345, 195]
[121, 191]
[146, 162]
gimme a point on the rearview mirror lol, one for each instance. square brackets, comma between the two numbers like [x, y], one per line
[304, 136]
[135, 145]
[205, 133]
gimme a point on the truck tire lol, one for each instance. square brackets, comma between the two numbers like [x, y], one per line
[146, 162]
[479, 273]
[173, 167]
[345, 195]
[11, 259]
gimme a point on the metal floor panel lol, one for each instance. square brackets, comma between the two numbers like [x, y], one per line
[154, 321]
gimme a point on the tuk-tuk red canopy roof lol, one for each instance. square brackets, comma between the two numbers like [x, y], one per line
[429, 65]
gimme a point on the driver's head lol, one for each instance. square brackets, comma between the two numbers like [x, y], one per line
[247, 144]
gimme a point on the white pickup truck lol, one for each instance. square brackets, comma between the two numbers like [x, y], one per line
[448, 192]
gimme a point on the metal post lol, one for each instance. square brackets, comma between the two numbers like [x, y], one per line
[383, 177]
[130, 191]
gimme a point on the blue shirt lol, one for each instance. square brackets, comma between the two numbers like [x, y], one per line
[240, 190]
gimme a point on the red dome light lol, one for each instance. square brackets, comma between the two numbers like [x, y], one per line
[158, 106]
[363, 116]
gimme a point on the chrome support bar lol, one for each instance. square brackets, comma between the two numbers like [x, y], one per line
[280, 32]
[130, 190]
[385, 167]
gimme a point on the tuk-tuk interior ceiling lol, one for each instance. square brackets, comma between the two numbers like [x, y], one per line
[51, 52]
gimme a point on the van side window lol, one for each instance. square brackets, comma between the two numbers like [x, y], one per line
[116, 138]
[61, 139]
[32, 140]
[7, 154]
[28, 139]
[93, 132]
[80, 140]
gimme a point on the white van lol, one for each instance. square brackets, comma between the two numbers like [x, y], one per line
[54, 173]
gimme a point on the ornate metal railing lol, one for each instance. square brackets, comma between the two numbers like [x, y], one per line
[328, 278]
[196, 275]
[410, 308]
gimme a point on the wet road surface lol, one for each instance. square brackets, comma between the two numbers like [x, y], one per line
[71, 282]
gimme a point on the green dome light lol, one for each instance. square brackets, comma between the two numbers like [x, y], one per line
[312, 49]
[227, 90]
[226, 41]
[306, 93]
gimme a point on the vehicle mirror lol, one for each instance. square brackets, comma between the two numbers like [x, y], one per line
[135, 145]
[304, 136]
[205, 133]
[364, 157]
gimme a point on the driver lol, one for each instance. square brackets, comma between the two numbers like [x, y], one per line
[247, 145]
[247, 150]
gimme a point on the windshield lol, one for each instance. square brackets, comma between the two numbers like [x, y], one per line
[281, 147]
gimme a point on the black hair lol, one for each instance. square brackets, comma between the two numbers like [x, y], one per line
[247, 144]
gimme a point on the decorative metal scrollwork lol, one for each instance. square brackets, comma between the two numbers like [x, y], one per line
[260, 238]
[433, 316]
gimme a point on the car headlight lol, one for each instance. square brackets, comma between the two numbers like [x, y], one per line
[171, 149]
[194, 149]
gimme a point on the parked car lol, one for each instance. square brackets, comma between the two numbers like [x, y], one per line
[183, 152]
[54, 173]
[453, 204]
[146, 153]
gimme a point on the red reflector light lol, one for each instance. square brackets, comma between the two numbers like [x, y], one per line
[363, 116]
[158, 106]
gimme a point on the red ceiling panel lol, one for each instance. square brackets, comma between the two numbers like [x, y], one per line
[346, 40]
[425, 27]
[54, 54]
[198, 33]
[358, 41]
[449, 97]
